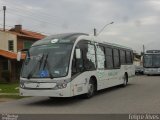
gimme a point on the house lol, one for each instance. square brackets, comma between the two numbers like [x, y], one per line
[10, 42]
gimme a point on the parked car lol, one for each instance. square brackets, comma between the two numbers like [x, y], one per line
[139, 70]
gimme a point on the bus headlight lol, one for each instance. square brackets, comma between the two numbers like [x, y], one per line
[146, 70]
[61, 85]
[22, 85]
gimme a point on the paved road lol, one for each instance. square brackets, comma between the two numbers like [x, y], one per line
[142, 95]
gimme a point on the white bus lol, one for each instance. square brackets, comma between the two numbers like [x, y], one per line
[151, 62]
[67, 65]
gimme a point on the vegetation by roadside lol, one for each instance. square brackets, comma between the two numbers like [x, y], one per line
[9, 91]
[9, 88]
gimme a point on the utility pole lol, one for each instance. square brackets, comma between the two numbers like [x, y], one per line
[143, 49]
[4, 18]
[95, 31]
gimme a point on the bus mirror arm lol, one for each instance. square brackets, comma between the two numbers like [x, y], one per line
[19, 54]
[24, 50]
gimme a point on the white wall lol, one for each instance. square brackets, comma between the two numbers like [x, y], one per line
[4, 37]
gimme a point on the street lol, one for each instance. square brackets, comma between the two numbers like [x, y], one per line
[140, 96]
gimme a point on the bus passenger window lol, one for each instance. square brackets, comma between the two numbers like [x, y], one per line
[122, 57]
[101, 57]
[116, 58]
[128, 57]
[109, 58]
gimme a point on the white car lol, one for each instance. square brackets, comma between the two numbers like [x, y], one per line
[139, 70]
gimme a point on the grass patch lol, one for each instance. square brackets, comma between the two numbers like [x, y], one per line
[9, 88]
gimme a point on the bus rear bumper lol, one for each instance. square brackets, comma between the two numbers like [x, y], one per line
[152, 73]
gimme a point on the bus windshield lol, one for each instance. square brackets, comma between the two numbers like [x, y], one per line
[46, 61]
[152, 60]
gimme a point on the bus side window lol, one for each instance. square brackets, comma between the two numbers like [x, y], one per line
[109, 58]
[87, 61]
[74, 70]
[122, 57]
[128, 57]
[77, 64]
[101, 60]
[116, 58]
[132, 57]
[89, 57]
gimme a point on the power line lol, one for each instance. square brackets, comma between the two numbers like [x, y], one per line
[42, 13]
[44, 19]
[37, 31]
[22, 8]
[29, 28]
[28, 17]
[36, 20]
[7, 26]
[33, 19]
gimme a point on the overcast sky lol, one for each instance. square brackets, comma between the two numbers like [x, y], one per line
[136, 22]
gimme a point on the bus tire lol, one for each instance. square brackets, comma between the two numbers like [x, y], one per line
[91, 89]
[125, 80]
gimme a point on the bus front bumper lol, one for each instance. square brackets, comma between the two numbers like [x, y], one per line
[65, 92]
[152, 71]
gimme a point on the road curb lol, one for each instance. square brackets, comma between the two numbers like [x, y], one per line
[9, 94]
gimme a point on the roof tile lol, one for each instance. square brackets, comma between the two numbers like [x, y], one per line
[10, 55]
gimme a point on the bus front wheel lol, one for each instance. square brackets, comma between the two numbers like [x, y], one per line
[91, 89]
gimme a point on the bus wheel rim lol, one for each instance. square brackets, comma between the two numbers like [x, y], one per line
[91, 89]
[125, 80]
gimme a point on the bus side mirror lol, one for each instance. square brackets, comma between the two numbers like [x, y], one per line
[78, 54]
[19, 56]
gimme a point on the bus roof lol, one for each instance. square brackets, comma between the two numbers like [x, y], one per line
[72, 37]
[93, 38]
[117, 45]
[62, 37]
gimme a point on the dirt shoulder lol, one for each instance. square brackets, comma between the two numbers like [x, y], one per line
[6, 99]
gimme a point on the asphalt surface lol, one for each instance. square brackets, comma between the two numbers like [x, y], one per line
[142, 95]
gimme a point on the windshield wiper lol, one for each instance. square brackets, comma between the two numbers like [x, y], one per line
[34, 68]
[40, 63]
[46, 63]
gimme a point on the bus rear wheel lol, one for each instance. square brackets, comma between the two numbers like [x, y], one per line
[91, 89]
[125, 80]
